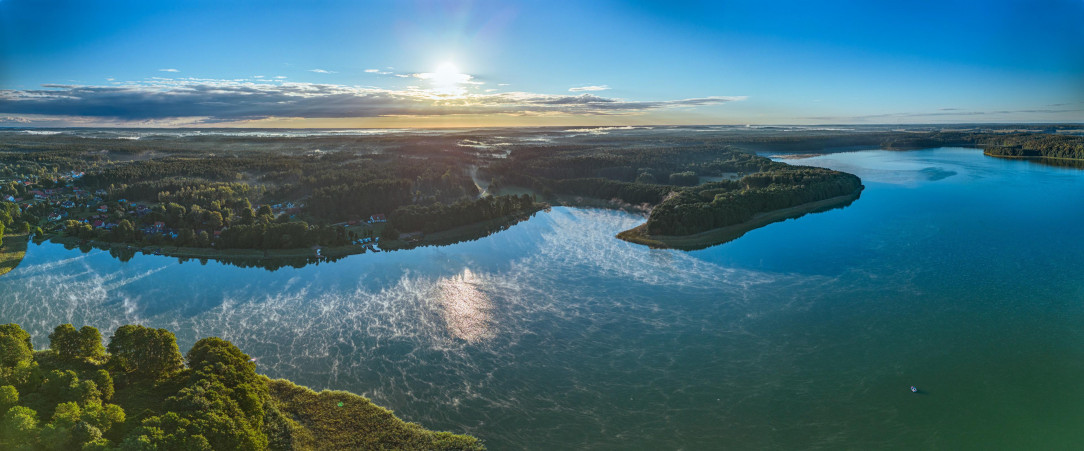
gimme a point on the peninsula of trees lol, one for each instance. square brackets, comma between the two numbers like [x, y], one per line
[141, 393]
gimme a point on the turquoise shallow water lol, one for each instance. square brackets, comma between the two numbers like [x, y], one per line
[955, 272]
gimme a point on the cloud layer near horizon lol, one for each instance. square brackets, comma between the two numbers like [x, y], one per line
[230, 100]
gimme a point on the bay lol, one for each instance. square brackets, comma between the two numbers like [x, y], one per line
[954, 272]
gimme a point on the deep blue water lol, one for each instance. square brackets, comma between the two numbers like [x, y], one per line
[955, 272]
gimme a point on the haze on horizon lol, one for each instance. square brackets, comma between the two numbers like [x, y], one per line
[484, 63]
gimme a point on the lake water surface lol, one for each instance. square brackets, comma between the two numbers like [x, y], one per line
[955, 272]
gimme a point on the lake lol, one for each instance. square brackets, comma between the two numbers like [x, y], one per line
[957, 273]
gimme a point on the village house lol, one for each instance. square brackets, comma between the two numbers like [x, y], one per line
[378, 217]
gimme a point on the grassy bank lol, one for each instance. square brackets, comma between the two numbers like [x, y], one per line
[12, 252]
[725, 234]
[338, 420]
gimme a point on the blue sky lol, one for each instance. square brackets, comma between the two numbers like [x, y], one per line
[454, 63]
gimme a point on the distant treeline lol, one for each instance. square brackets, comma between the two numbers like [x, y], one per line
[1035, 145]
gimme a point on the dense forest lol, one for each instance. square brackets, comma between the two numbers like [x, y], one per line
[721, 204]
[141, 393]
[1035, 145]
[436, 216]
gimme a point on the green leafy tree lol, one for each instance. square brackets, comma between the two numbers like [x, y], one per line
[84, 433]
[90, 343]
[105, 384]
[144, 352]
[124, 231]
[78, 229]
[9, 397]
[71, 344]
[60, 384]
[65, 341]
[86, 391]
[18, 428]
[102, 416]
[15, 346]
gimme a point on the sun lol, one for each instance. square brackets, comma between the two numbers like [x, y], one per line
[447, 80]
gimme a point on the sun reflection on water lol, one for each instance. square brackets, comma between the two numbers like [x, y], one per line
[465, 308]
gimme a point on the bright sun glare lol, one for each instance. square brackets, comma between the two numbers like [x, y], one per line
[447, 79]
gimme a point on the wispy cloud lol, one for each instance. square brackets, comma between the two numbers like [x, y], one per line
[589, 88]
[323, 71]
[232, 100]
[377, 71]
[168, 70]
[954, 115]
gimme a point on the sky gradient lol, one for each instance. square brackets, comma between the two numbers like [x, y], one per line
[480, 63]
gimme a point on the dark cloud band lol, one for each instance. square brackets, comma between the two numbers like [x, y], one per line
[232, 100]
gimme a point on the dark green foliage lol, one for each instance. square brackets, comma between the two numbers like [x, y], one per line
[15, 347]
[71, 344]
[60, 385]
[436, 217]
[144, 352]
[1034, 145]
[9, 397]
[281, 236]
[105, 384]
[18, 428]
[722, 204]
[218, 402]
[78, 229]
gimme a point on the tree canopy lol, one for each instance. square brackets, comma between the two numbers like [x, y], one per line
[64, 398]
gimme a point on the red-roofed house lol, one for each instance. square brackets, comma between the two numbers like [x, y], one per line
[379, 217]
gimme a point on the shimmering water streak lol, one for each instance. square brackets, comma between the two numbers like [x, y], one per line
[954, 272]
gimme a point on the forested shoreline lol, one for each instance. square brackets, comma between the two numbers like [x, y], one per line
[141, 393]
[723, 204]
[273, 194]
